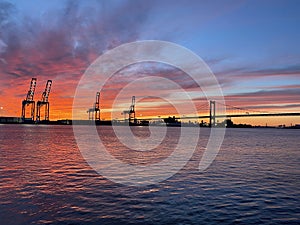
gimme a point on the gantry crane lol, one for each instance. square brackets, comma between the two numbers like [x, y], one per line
[29, 101]
[44, 102]
[96, 109]
[130, 112]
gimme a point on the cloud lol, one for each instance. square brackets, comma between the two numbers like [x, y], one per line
[249, 72]
[3, 47]
[66, 39]
[60, 42]
[267, 99]
[231, 78]
[276, 107]
[283, 70]
[292, 86]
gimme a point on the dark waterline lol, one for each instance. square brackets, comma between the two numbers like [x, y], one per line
[255, 179]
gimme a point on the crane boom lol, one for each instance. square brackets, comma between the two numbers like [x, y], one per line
[30, 93]
[96, 109]
[130, 112]
[46, 93]
[44, 102]
[97, 103]
[132, 107]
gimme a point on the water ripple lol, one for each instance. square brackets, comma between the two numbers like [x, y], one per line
[255, 179]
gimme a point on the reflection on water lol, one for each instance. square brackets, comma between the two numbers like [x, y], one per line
[44, 180]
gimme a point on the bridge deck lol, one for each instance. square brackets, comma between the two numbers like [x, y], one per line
[245, 115]
[232, 115]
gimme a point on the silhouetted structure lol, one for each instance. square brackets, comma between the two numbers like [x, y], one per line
[9, 119]
[209, 107]
[228, 123]
[212, 113]
[44, 102]
[131, 112]
[95, 111]
[203, 124]
[172, 122]
[29, 102]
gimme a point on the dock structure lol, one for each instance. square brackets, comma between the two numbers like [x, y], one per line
[94, 112]
[44, 102]
[29, 102]
[207, 110]
[131, 112]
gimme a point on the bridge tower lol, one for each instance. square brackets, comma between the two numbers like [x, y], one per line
[44, 102]
[29, 102]
[212, 113]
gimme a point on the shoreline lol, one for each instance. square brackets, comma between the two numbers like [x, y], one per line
[110, 123]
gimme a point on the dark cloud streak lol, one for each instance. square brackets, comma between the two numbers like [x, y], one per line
[74, 34]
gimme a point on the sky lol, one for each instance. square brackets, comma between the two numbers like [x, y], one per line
[252, 47]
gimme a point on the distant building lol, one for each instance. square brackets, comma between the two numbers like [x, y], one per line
[172, 121]
[5, 119]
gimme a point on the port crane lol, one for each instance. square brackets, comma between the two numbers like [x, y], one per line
[44, 102]
[29, 101]
[130, 112]
[96, 109]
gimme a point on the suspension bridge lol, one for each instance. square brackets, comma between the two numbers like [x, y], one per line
[233, 111]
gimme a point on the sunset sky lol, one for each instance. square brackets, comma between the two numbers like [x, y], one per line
[252, 47]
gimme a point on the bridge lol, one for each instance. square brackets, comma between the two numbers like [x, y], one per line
[232, 111]
[208, 110]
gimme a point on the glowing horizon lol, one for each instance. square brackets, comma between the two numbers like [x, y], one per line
[256, 65]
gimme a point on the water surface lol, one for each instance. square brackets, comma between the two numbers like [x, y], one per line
[255, 179]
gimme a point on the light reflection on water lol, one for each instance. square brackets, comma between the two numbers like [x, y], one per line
[44, 180]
